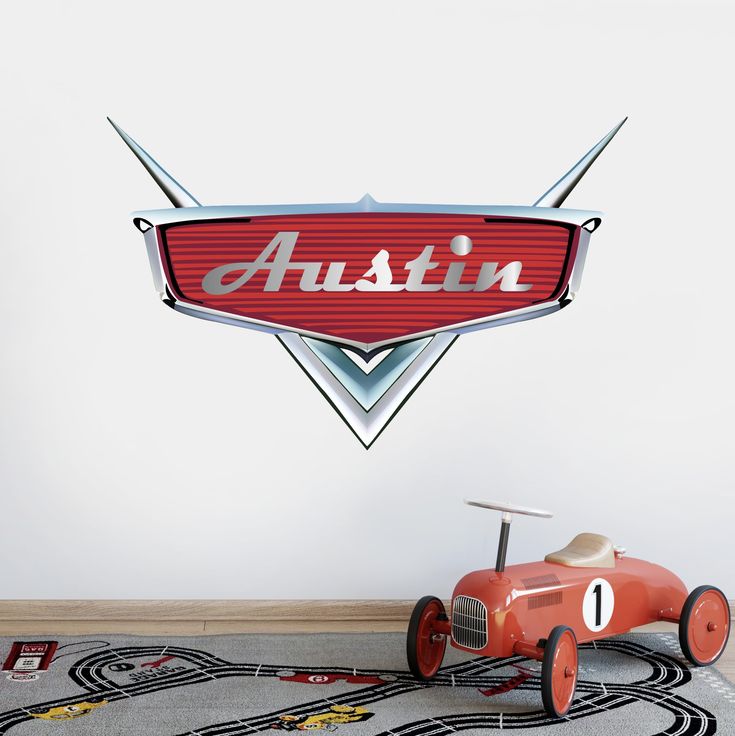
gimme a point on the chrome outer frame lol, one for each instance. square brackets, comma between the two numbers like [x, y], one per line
[155, 218]
[172, 215]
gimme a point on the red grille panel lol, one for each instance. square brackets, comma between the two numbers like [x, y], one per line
[191, 250]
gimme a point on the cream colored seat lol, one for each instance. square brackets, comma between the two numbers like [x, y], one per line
[585, 550]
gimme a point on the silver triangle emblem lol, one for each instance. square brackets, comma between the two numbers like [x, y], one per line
[366, 394]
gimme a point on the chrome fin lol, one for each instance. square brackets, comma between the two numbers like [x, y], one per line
[561, 190]
[171, 188]
[367, 398]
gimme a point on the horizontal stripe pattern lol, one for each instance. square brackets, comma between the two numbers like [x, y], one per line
[191, 250]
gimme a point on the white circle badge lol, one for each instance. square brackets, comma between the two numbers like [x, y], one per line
[598, 604]
[318, 679]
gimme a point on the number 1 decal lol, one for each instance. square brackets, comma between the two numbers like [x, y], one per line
[597, 590]
[598, 604]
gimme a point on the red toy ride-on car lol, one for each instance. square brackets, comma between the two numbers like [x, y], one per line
[542, 610]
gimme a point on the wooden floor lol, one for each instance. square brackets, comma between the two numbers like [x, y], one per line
[726, 664]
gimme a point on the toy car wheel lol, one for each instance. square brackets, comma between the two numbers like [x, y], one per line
[424, 645]
[559, 671]
[704, 625]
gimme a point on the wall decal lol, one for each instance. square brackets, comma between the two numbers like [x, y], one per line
[367, 296]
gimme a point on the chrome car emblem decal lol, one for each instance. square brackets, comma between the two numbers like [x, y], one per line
[367, 297]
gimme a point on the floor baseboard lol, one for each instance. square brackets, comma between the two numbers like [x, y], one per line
[191, 617]
[206, 610]
[196, 617]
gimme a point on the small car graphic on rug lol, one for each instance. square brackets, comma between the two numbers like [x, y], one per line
[158, 662]
[508, 685]
[328, 678]
[64, 712]
[328, 721]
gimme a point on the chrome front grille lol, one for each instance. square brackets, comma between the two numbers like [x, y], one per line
[469, 622]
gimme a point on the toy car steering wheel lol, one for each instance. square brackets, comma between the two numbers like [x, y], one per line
[508, 508]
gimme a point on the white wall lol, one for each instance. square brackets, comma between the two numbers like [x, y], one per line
[147, 454]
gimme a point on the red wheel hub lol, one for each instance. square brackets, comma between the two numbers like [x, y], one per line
[564, 672]
[430, 644]
[708, 626]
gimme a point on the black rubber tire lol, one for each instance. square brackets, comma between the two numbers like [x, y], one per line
[547, 667]
[686, 612]
[412, 634]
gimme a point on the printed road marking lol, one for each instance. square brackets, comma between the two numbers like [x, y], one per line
[119, 656]
[594, 705]
[120, 690]
[208, 674]
[247, 725]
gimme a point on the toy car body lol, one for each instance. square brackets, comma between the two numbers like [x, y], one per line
[493, 612]
[589, 590]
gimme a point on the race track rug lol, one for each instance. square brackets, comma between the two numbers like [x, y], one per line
[357, 685]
